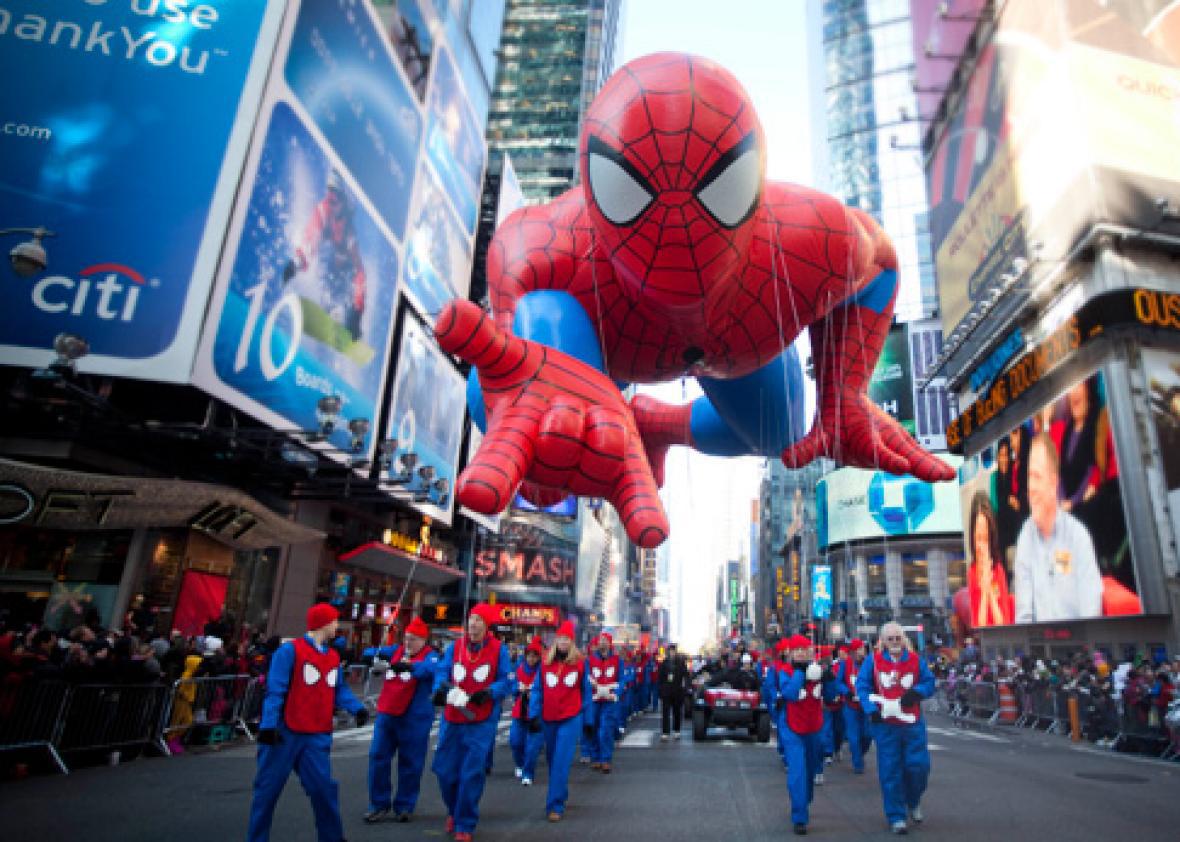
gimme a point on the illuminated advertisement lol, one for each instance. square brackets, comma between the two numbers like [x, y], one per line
[517, 568]
[438, 250]
[1162, 369]
[309, 295]
[821, 591]
[1068, 119]
[853, 504]
[1043, 525]
[891, 386]
[426, 417]
[341, 71]
[407, 25]
[454, 141]
[123, 133]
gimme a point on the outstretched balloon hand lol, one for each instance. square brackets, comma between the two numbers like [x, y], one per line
[853, 430]
[552, 420]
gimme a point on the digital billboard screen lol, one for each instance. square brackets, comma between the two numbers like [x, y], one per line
[1044, 526]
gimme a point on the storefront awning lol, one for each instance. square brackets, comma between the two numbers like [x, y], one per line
[64, 499]
[384, 559]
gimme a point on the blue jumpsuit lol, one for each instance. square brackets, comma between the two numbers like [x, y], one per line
[526, 745]
[460, 760]
[407, 736]
[306, 754]
[903, 759]
[626, 692]
[804, 752]
[602, 717]
[561, 743]
[856, 724]
[777, 711]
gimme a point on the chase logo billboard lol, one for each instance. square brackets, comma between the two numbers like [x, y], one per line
[854, 504]
[117, 135]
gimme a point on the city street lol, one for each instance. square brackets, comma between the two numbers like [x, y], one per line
[985, 786]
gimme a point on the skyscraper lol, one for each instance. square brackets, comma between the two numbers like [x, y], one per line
[554, 57]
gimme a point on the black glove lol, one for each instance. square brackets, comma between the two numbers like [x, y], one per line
[401, 666]
[588, 731]
[876, 717]
[828, 675]
[479, 697]
[911, 698]
[535, 725]
[799, 665]
[289, 271]
[269, 737]
[362, 717]
[440, 697]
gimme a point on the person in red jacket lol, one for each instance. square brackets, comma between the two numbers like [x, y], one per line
[404, 718]
[606, 673]
[856, 723]
[303, 689]
[802, 685]
[557, 703]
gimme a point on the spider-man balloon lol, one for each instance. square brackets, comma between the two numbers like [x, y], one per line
[674, 258]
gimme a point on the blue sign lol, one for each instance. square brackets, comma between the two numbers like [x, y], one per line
[341, 70]
[115, 122]
[987, 371]
[438, 252]
[308, 307]
[566, 508]
[454, 141]
[821, 591]
[899, 505]
[426, 417]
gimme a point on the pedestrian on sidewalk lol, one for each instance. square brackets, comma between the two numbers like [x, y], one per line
[404, 719]
[473, 678]
[560, 701]
[891, 686]
[602, 713]
[303, 689]
[525, 740]
[802, 685]
[856, 722]
[672, 678]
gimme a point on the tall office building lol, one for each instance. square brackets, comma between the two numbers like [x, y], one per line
[874, 134]
[554, 57]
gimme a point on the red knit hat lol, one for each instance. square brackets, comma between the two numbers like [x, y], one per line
[856, 643]
[604, 636]
[418, 628]
[536, 645]
[798, 641]
[320, 614]
[566, 629]
[784, 643]
[488, 613]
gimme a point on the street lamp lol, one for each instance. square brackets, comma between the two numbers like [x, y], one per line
[28, 258]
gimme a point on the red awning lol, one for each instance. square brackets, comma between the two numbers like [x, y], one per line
[384, 559]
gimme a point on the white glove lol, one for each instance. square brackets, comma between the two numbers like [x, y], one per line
[457, 697]
[814, 672]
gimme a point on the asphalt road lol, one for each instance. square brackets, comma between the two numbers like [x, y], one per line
[984, 786]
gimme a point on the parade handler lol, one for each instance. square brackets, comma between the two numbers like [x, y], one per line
[524, 740]
[602, 718]
[404, 718]
[856, 727]
[802, 685]
[558, 702]
[891, 686]
[303, 689]
[474, 677]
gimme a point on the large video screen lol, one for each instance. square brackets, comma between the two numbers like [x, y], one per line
[1043, 520]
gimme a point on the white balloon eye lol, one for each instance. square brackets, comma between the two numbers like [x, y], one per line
[619, 189]
[310, 675]
[481, 673]
[550, 679]
[729, 191]
[570, 679]
[331, 677]
[459, 672]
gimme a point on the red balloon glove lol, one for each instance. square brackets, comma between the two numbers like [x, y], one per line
[552, 420]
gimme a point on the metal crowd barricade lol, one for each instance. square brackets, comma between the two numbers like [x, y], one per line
[1139, 732]
[985, 701]
[233, 701]
[31, 715]
[112, 716]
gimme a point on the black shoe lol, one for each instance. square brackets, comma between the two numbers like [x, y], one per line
[378, 815]
[800, 830]
[402, 817]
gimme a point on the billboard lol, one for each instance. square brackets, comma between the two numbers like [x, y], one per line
[1068, 119]
[307, 299]
[821, 591]
[940, 30]
[854, 504]
[1044, 526]
[1162, 370]
[932, 405]
[454, 141]
[518, 568]
[438, 250]
[123, 136]
[408, 25]
[426, 416]
[892, 385]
